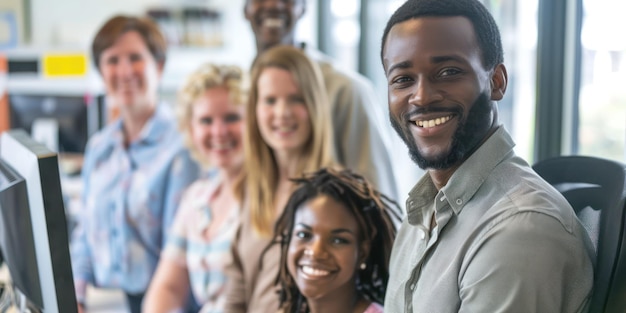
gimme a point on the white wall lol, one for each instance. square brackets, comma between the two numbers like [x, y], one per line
[74, 22]
[71, 24]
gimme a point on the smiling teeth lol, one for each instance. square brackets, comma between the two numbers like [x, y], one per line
[222, 146]
[285, 129]
[273, 22]
[433, 122]
[314, 271]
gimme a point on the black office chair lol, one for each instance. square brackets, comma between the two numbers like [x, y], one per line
[596, 190]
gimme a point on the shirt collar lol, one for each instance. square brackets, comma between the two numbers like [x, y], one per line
[157, 126]
[316, 55]
[214, 180]
[465, 181]
[420, 198]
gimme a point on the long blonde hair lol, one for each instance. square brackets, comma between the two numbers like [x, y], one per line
[257, 188]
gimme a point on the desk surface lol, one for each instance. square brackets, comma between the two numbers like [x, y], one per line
[105, 301]
[98, 300]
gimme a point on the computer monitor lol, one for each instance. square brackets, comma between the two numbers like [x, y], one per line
[33, 228]
[64, 122]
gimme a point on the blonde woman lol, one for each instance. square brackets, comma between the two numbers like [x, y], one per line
[210, 115]
[288, 133]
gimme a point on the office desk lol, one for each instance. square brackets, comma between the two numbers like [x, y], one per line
[105, 301]
[98, 300]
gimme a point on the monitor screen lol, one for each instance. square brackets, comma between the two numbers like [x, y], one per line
[16, 234]
[35, 221]
[64, 123]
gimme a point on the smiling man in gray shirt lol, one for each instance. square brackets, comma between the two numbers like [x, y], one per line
[483, 232]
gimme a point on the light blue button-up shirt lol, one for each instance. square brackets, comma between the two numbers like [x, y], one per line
[129, 200]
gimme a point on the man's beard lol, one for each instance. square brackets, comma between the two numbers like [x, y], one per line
[467, 136]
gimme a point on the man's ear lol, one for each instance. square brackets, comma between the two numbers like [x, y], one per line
[499, 80]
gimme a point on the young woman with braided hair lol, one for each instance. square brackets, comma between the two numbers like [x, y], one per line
[336, 234]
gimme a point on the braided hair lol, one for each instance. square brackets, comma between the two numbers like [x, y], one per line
[377, 216]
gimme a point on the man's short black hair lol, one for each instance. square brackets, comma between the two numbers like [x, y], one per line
[485, 27]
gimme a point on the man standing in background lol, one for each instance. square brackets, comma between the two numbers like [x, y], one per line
[360, 142]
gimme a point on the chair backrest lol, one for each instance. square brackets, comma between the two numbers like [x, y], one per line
[596, 190]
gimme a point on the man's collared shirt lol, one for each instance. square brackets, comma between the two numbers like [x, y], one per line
[504, 241]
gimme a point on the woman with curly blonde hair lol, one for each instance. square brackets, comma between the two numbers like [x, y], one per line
[210, 115]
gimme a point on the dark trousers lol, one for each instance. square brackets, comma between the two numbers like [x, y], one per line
[134, 302]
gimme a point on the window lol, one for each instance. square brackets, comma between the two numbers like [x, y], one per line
[517, 20]
[602, 95]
